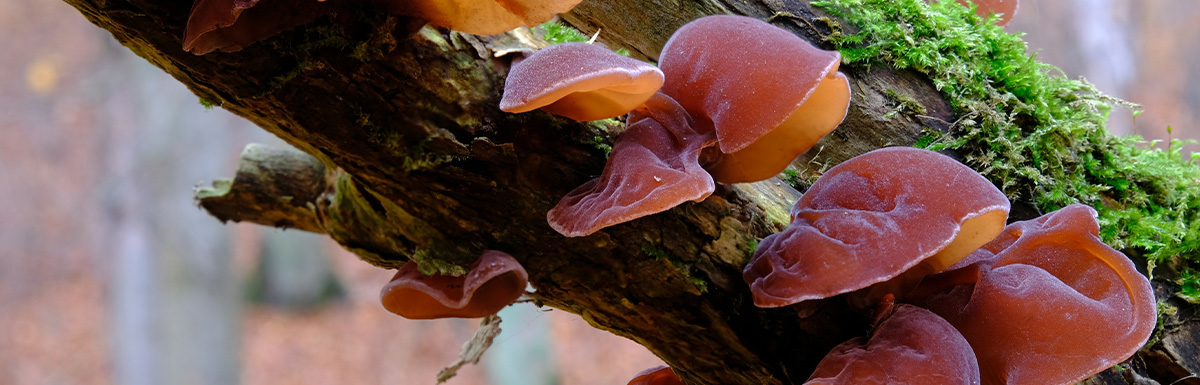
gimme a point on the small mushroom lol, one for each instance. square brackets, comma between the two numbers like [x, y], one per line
[658, 375]
[491, 283]
[769, 94]
[873, 218]
[579, 81]
[1046, 302]
[910, 346]
[654, 166]
[230, 25]
[480, 17]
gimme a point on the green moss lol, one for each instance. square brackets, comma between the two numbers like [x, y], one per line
[323, 36]
[602, 145]
[750, 247]
[428, 264]
[1038, 135]
[300, 68]
[654, 251]
[378, 44]
[1163, 309]
[792, 178]
[557, 33]
[904, 104]
[603, 138]
[1189, 285]
[207, 104]
[686, 269]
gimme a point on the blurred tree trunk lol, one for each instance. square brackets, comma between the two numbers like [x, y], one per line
[292, 272]
[431, 169]
[175, 299]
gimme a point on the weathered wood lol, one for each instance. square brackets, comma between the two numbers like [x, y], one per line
[434, 172]
[273, 187]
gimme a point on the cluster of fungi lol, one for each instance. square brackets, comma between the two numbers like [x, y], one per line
[912, 239]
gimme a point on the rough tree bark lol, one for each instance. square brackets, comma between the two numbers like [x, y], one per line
[414, 160]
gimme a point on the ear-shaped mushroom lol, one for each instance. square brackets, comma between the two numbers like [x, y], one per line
[912, 346]
[580, 81]
[492, 282]
[769, 94]
[1046, 302]
[658, 375]
[230, 25]
[872, 218]
[481, 17]
[654, 166]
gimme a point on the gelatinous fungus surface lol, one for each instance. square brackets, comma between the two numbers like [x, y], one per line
[912, 346]
[873, 218]
[491, 283]
[1046, 302]
[768, 156]
[480, 17]
[658, 375]
[747, 78]
[654, 166]
[579, 81]
[230, 25]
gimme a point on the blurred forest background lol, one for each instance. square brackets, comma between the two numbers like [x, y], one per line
[109, 274]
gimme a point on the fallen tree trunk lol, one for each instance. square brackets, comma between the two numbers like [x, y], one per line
[413, 161]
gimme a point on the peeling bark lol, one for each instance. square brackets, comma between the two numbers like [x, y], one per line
[431, 170]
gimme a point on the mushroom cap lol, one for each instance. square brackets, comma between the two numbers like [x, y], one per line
[654, 166]
[481, 17]
[1046, 302]
[912, 346]
[658, 375]
[491, 283]
[772, 153]
[873, 218]
[743, 75]
[580, 81]
[230, 25]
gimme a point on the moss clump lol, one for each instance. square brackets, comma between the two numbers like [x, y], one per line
[904, 104]
[429, 264]
[557, 33]
[1189, 285]
[792, 178]
[1037, 134]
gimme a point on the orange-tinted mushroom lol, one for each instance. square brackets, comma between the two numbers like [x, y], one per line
[1046, 302]
[579, 81]
[491, 283]
[769, 94]
[658, 375]
[872, 218]
[230, 25]
[481, 17]
[912, 346]
[654, 166]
